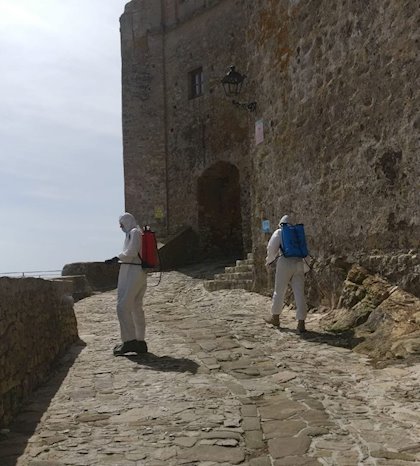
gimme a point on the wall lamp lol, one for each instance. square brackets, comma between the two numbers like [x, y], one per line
[232, 85]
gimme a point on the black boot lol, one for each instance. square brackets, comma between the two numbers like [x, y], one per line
[301, 327]
[141, 347]
[126, 347]
[274, 319]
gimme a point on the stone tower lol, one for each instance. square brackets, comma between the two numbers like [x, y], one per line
[186, 156]
[143, 100]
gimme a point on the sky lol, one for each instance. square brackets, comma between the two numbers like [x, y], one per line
[61, 166]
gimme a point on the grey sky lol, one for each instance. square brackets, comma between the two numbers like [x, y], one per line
[61, 173]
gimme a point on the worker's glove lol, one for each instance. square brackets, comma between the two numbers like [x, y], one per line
[114, 260]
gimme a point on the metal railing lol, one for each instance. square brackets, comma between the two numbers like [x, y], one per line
[33, 274]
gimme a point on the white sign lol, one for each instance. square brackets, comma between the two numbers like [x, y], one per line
[265, 226]
[259, 132]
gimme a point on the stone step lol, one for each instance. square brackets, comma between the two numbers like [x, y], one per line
[241, 284]
[234, 276]
[239, 268]
[244, 262]
[215, 285]
[239, 276]
[250, 256]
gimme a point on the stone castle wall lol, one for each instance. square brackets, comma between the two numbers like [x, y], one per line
[339, 94]
[337, 88]
[37, 324]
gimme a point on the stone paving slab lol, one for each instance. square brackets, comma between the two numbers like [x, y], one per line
[220, 387]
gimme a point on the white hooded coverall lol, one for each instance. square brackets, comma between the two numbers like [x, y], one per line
[132, 283]
[288, 269]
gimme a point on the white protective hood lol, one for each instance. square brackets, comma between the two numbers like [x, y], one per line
[284, 219]
[128, 222]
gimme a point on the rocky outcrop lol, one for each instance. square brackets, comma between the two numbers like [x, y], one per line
[326, 286]
[401, 268]
[384, 317]
[393, 327]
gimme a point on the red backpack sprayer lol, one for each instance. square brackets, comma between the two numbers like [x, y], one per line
[149, 251]
[149, 255]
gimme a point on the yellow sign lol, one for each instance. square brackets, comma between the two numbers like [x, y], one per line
[159, 213]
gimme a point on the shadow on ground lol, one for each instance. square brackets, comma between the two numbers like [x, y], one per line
[14, 438]
[343, 340]
[206, 270]
[164, 363]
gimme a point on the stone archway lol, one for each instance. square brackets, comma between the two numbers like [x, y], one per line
[219, 211]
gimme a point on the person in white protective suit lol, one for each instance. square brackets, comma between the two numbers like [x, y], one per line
[132, 283]
[288, 270]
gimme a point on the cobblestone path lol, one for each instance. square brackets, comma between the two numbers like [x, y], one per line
[220, 387]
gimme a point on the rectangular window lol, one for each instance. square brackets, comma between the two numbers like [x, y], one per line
[196, 83]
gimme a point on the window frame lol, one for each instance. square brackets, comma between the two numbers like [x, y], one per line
[195, 83]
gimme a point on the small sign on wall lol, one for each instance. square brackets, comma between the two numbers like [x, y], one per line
[259, 132]
[158, 213]
[265, 226]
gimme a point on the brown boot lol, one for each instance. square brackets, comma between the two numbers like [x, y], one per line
[274, 319]
[301, 326]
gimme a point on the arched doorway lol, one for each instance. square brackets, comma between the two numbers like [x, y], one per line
[219, 211]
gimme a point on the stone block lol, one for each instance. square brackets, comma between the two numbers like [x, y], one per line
[254, 439]
[289, 446]
[278, 429]
[297, 461]
[213, 453]
[261, 461]
[250, 423]
[249, 410]
[280, 410]
[392, 455]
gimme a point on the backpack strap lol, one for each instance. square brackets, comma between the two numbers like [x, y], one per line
[281, 241]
